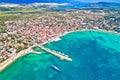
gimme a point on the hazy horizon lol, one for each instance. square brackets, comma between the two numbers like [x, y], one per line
[56, 1]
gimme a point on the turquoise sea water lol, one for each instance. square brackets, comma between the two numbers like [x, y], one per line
[96, 56]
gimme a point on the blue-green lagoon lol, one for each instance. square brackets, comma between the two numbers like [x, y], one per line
[95, 54]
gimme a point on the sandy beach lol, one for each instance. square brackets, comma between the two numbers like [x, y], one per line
[7, 62]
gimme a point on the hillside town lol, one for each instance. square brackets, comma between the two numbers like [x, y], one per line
[17, 35]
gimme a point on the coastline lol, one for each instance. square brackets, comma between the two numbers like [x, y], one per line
[13, 58]
[100, 30]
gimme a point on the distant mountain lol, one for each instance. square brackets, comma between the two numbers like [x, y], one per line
[77, 4]
[104, 4]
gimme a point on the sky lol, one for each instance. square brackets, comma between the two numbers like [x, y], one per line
[57, 1]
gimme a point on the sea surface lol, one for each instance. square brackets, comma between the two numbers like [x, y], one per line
[96, 56]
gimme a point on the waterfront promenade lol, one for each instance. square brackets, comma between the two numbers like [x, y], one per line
[7, 62]
[15, 56]
[58, 54]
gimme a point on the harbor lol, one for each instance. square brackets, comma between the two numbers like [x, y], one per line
[62, 56]
[29, 50]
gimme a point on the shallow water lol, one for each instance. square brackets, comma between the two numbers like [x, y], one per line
[96, 56]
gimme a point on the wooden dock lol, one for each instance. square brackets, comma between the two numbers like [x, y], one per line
[58, 54]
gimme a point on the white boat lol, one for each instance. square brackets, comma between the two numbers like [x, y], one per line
[55, 67]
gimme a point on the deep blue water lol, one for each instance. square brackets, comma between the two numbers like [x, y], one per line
[96, 56]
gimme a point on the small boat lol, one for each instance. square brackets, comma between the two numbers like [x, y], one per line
[54, 67]
[66, 56]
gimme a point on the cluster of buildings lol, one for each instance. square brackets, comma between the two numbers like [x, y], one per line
[21, 34]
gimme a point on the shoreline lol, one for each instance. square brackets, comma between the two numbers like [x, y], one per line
[101, 30]
[14, 57]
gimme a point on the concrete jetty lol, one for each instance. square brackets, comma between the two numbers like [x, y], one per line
[58, 54]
